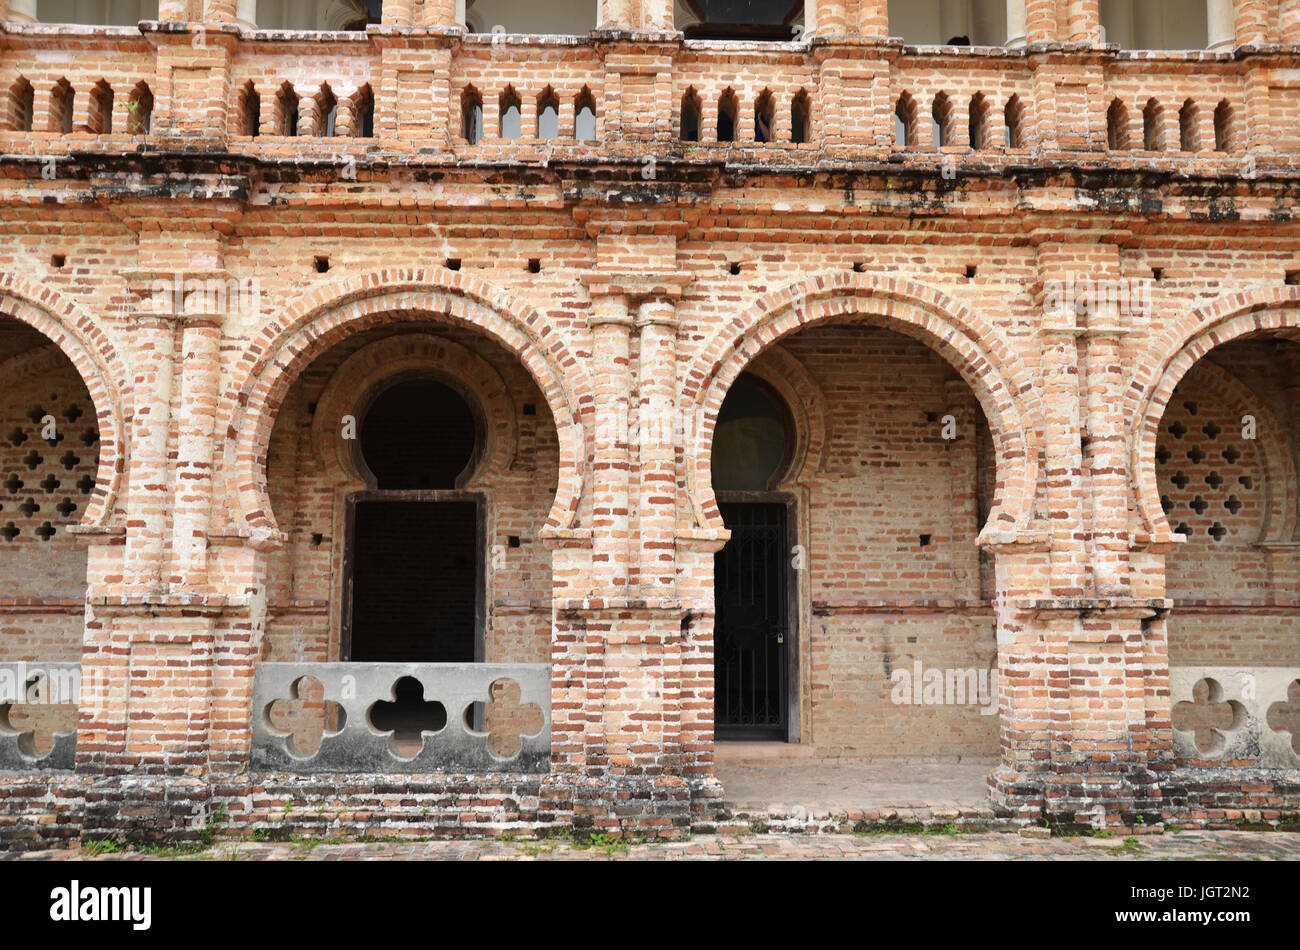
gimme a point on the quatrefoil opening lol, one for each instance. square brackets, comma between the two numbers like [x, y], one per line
[409, 717]
[36, 721]
[503, 719]
[1208, 717]
[306, 717]
[1284, 716]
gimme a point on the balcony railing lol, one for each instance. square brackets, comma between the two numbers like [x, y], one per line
[552, 98]
[402, 717]
[38, 715]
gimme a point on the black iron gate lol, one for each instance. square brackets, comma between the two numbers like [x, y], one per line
[750, 648]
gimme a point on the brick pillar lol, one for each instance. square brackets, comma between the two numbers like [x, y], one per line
[614, 15]
[220, 11]
[396, 13]
[1059, 388]
[1082, 21]
[1041, 22]
[829, 18]
[1250, 22]
[441, 13]
[656, 15]
[611, 459]
[173, 11]
[1288, 22]
[657, 428]
[873, 17]
[148, 497]
[1108, 461]
[200, 379]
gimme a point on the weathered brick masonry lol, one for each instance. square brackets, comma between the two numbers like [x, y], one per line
[1028, 315]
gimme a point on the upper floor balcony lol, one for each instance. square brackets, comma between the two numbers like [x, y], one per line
[823, 83]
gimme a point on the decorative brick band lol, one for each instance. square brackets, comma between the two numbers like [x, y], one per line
[73, 330]
[1000, 381]
[1180, 348]
[335, 311]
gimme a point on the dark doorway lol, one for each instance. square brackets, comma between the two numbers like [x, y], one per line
[414, 545]
[752, 627]
[415, 579]
[754, 666]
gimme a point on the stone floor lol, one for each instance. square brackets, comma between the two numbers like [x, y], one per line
[1185, 845]
[759, 776]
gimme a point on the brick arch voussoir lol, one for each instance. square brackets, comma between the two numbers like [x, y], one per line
[329, 314]
[992, 370]
[69, 327]
[1182, 346]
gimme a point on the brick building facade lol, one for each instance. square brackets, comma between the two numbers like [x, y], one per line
[367, 455]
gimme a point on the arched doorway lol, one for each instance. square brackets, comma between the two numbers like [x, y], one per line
[1225, 454]
[413, 547]
[855, 470]
[755, 662]
[49, 459]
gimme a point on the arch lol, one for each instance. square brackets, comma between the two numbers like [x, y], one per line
[806, 402]
[369, 366]
[690, 119]
[990, 368]
[1279, 515]
[72, 330]
[335, 311]
[1117, 126]
[1180, 347]
[977, 122]
[941, 121]
[1013, 118]
[99, 118]
[1223, 127]
[801, 117]
[905, 121]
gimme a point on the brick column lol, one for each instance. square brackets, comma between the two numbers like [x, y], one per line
[611, 463]
[829, 18]
[657, 430]
[1108, 460]
[148, 496]
[873, 17]
[200, 379]
[1250, 22]
[173, 11]
[1058, 385]
[1288, 22]
[396, 13]
[614, 15]
[442, 13]
[1082, 22]
[220, 11]
[1041, 21]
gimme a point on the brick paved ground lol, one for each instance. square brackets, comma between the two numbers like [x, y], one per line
[1193, 845]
